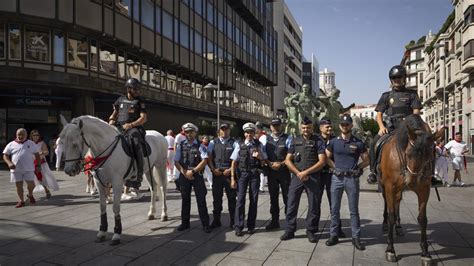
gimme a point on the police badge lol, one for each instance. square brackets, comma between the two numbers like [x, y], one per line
[391, 101]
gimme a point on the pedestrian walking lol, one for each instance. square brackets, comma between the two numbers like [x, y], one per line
[170, 155]
[441, 165]
[45, 177]
[457, 149]
[219, 151]
[20, 155]
[346, 150]
[207, 171]
[248, 159]
[59, 153]
[179, 138]
[190, 160]
[276, 147]
[261, 135]
[305, 159]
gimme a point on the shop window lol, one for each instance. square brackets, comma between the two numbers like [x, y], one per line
[14, 42]
[93, 54]
[121, 64]
[124, 7]
[37, 45]
[59, 48]
[2, 40]
[147, 13]
[158, 19]
[168, 25]
[108, 60]
[154, 77]
[184, 35]
[133, 67]
[144, 73]
[77, 52]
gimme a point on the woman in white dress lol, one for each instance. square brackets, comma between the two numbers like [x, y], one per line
[441, 166]
[46, 177]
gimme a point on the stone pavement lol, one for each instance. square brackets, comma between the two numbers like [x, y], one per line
[62, 231]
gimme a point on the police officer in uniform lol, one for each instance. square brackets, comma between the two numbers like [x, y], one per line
[276, 148]
[326, 134]
[129, 115]
[247, 161]
[219, 152]
[305, 159]
[396, 104]
[345, 152]
[190, 160]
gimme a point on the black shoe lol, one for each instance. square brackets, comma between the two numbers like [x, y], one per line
[251, 231]
[183, 227]
[238, 232]
[357, 244]
[333, 240]
[215, 223]
[287, 236]
[206, 229]
[272, 226]
[311, 236]
[372, 178]
[341, 234]
[436, 183]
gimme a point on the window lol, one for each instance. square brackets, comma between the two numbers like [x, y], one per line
[469, 15]
[469, 49]
[108, 60]
[186, 2]
[158, 19]
[176, 29]
[210, 50]
[93, 50]
[220, 21]
[418, 54]
[136, 10]
[210, 13]
[167, 25]
[124, 7]
[230, 30]
[37, 45]
[147, 13]
[133, 67]
[77, 52]
[121, 64]
[184, 35]
[59, 48]
[14, 38]
[421, 77]
[449, 73]
[2, 40]
[198, 43]
[198, 6]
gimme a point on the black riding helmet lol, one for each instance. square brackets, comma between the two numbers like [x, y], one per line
[132, 83]
[397, 71]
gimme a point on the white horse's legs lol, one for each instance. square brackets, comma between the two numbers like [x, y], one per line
[163, 184]
[117, 188]
[103, 213]
[152, 184]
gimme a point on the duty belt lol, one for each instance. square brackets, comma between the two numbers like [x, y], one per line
[347, 173]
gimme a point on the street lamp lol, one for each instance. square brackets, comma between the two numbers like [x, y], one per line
[211, 86]
[442, 56]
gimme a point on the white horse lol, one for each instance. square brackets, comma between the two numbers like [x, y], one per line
[90, 133]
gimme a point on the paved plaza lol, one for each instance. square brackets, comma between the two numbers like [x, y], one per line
[61, 231]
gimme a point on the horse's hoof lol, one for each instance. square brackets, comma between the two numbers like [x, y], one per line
[426, 260]
[164, 218]
[151, 217]
[115, 242]
[100, 239]
[399, 231]
[390, 256]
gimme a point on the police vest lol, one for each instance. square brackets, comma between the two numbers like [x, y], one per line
[276, 150]
[246, 161]
[129, 110]
[306, 152]
[222, 152]
[399, 104]
[190, 155]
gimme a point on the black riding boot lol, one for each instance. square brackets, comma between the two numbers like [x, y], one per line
[372, 178]
[138, 152]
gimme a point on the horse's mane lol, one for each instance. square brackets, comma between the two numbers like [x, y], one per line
[93, 119]
[422, 146]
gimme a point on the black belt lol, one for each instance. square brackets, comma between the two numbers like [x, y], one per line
[347, 173]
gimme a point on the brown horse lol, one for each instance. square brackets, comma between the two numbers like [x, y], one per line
[406, 162]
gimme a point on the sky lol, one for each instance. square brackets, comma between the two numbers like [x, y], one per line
[360, 40]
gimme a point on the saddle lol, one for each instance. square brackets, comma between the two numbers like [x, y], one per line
[378, 150]
[127, 146]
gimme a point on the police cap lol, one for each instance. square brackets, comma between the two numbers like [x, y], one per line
[189, 127]
[306, 121]
[249, 126]
[346, 119]
[397, 71]
[325, 121]
[275, 121]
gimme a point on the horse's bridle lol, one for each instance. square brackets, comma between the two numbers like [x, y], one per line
[404, 168]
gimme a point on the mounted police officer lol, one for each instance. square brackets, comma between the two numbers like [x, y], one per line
[326, 134]
[219, 151]
[276, 147]
[345, 152]
[190, 160]
[397, 104]
[128, 116]
[305, 159]
[247, 162]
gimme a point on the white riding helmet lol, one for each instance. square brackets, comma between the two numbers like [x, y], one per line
[249, 126]
[189, 126]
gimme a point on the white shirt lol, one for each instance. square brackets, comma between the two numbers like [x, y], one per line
[456, 148]
[263, 139]
[179, 138]
[22, 155]
[170, 140]
[59, 145]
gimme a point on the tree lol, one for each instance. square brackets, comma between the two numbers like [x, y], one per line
[369, 124]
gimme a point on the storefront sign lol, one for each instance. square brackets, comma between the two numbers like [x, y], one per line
[29, 101]
[37, 46]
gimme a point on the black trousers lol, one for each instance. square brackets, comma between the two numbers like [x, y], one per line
[312, 188]
[276, 180]
[200, 191]
[250, 181]
[219, 184]
[372, 153]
